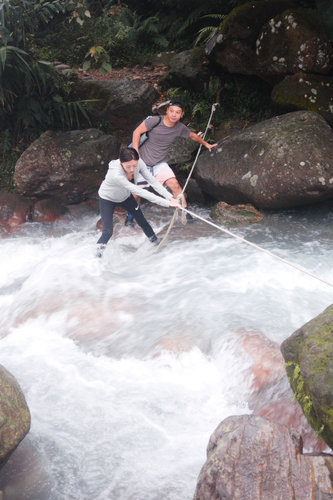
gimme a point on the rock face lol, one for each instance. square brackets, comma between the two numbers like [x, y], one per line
[121, 103]
[188, 69]
[234, 48]
[68, 165]
[292, 42]
[305, 91]
[309, 362]
[14, 415]
[279, 163]
[250, 458]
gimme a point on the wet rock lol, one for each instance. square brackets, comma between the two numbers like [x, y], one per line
[66, 165]
[120, 103]
[308, 354]
[270, 394]
[250, 457]
[14, 211]
[14, 415]
[279, 163]
[305, 91]
[235, 215]
[48, 210]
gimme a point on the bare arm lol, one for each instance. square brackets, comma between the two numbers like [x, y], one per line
[200, 140]
[137, 133]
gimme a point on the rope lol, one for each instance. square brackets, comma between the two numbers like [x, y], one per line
[213, 109]
[295, 266]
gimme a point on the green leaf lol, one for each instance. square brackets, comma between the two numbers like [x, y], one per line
[86, 65]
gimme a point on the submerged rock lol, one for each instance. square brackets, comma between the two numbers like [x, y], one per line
[282, 162]
[235, 215]
[308, 353]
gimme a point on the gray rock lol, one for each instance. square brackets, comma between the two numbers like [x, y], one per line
[188, 69]
[67, 165]
[279, 163]
[121, 103]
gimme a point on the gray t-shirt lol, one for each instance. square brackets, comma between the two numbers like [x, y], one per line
[155, 150]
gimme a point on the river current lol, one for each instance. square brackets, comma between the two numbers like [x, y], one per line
[129, 363]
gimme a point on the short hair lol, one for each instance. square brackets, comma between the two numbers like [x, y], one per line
[128, 154]
[176, 102]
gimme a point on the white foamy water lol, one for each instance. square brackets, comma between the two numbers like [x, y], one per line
[129, 363]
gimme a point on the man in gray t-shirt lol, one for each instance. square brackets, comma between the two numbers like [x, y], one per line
[155, 150]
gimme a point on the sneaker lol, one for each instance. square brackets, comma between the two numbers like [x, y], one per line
[154, 240]
[100, 250]
[129, 221]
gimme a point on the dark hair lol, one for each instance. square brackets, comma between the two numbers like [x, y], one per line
[128, 154]
[176, 102]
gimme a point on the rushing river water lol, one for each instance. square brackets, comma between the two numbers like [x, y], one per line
[129, 363]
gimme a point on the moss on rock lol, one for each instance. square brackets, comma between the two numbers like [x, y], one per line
[309, 364]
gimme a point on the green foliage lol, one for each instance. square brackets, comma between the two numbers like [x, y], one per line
[33, 95]
[207, 32]
[97, 58]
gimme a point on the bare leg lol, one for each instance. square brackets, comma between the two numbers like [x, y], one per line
[174, 185]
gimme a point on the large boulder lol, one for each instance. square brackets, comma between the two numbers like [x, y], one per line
[305, 91]
[292, 42]
[67, 165]
[118, 103]
[309, 363]
[234, 48]
[279, 163]
[249, 457]
[14, 415]
[188, 69]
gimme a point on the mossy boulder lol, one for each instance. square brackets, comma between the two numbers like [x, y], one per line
[66, 165]
[233, 48]
[305, 91]
[308, 354]
[14, 415]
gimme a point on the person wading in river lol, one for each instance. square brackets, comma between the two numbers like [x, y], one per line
[118, 188]
[154, 151]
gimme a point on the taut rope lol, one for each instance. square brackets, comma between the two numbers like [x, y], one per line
[295, 266]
